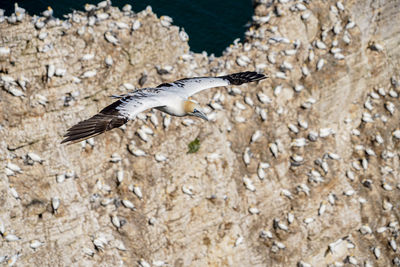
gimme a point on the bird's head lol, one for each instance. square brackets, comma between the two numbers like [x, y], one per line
[193, 109]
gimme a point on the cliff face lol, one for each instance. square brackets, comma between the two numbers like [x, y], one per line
[302, 168]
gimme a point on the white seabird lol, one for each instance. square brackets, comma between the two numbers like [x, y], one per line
[171, 98]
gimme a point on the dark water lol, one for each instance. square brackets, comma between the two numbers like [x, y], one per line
[211, 24]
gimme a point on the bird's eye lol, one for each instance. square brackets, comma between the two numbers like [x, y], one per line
[195, 110]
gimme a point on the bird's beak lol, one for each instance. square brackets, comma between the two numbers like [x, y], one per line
[200, 114]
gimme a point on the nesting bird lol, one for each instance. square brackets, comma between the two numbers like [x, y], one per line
[48, 13]
[171, 98]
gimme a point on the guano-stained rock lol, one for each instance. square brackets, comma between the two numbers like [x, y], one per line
[306, 209]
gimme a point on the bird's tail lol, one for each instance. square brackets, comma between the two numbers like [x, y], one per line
[244, 77]
[96, 125]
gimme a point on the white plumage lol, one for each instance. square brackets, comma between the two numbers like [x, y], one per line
[171, 98]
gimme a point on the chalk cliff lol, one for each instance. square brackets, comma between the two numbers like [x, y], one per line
[299, 169]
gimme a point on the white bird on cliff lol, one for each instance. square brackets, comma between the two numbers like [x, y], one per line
[171, 98]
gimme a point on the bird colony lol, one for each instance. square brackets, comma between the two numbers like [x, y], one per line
[299, 170]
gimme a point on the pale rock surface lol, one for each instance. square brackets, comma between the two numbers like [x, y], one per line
[212, 225]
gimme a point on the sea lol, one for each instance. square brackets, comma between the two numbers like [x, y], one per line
[211, 25]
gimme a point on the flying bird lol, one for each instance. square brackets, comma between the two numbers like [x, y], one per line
[171, 98]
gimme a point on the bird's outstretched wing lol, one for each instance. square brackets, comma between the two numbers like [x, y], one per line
[190, 86]
[114, 115]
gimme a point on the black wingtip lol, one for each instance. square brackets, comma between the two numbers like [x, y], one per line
[244, 77]
[96, 125]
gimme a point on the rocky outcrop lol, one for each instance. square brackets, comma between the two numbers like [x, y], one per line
[302, 168]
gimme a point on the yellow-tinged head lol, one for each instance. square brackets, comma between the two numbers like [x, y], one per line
[189, 106]
[193, 109]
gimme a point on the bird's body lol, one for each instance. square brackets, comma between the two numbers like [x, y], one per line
[175, 107]
[171, 98]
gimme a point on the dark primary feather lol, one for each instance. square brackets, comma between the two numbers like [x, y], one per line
[244, 77]
[108, 118]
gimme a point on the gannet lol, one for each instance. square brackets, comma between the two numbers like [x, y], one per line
[171, 98]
